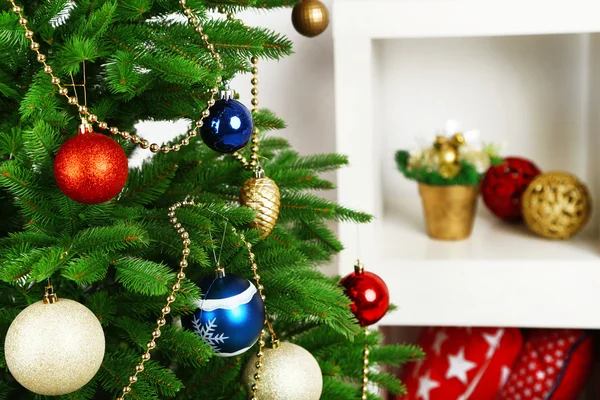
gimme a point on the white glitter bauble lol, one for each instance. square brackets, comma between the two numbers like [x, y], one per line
[289, 373]
[54, 349]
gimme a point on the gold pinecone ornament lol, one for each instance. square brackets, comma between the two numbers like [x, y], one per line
[556, 205]
[262, 195]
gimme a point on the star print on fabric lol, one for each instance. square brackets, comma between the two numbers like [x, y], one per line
[504, 374]
[456, 367]
[426, 385]
[459, 366]
[417, 368]
[440, 338]
[493, 341]
[538, 372]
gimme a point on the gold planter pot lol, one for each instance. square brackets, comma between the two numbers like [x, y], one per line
[449, 210]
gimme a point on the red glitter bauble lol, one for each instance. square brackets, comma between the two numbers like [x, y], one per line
[369, 294]
[504, 184]
[91, 168]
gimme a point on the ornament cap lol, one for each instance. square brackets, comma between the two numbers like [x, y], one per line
[275, 343]
[220, 272]
[227, 94]
[49, 295]
[359, 268]
[85, 126]
[259, 172]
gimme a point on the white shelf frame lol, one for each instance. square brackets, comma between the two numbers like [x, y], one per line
[425, 290]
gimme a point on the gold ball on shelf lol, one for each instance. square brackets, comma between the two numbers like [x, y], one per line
[310, 17]
[556, 205]
[289, 372]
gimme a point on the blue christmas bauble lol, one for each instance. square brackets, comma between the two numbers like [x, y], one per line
[230, 315]
[228, 127]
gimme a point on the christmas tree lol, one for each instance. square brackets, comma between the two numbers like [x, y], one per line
[163, 60]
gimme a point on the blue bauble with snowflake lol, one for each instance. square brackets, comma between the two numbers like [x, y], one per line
[229, 125]
[230, 316]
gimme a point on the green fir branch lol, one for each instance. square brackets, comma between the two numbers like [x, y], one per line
[88, 268]
[110, 238]
[120, 258]
[142, 276]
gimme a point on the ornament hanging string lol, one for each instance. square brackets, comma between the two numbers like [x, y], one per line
[166, 310]
[93, 118]
[83, 85]
[218, 259]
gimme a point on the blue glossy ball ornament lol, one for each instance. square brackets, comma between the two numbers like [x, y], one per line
[230, 315]
[228, 127]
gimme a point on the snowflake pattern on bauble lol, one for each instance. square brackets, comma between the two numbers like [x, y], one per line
[207, 332]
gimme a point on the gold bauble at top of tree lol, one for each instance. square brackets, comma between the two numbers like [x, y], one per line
[556, 205]
[310, 17]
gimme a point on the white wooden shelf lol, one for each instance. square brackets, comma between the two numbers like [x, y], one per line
[382, 19]
[405, 239]
[524, 72]
[550, 294]
[502, 276]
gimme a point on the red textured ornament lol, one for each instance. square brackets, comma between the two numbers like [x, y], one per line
[369, 294]
[91, 168]
[504, 184]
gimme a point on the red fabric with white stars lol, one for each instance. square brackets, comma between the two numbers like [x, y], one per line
[462, 363]
[554, 365]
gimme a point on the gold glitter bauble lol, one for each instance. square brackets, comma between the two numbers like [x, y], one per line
[556, 205]
[262, 195]
[310, 17]
[289, 373]
[54, 349]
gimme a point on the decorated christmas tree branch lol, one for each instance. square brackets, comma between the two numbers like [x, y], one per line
[115, 257]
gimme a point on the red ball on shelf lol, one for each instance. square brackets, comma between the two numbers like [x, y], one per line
[369, 294]
[91, 168]
[504, 184]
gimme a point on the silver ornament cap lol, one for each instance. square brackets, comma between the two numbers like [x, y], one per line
[54, 347]
[289, 372]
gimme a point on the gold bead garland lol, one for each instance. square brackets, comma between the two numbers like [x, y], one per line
[93, 118]
[183, 264]
[155, 148]
[161, 321]
[253, 163]
[259, 192]
[365, 378]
